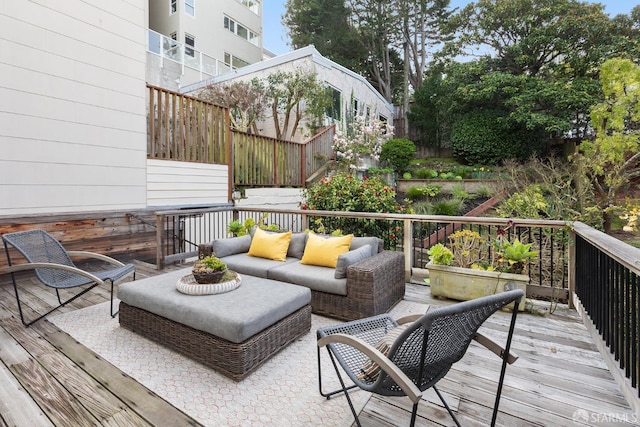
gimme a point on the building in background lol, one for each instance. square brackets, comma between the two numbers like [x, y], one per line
[192, 40]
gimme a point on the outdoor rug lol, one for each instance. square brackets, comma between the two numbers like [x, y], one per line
[282, 392]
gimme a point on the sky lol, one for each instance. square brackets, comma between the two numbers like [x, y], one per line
[275, 36]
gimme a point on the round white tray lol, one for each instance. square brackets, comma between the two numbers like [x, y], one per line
[188, 285]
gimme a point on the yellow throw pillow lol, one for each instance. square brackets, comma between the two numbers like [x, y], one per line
[325, 252]
[270, 245]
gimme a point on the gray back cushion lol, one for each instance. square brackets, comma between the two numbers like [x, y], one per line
[297, 244]
[358, 242]
[349, 258]
[231, 246]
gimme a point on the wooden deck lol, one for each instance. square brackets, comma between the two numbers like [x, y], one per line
[46, 378]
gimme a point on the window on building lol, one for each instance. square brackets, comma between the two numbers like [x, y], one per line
[335, 109]
[354, 106]
[190, 7]
[189, 44]
[240, 30]
[173, 6]
[253, 5]
[233, 61]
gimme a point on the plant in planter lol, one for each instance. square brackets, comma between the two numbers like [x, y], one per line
[472, 267]
[209, 269]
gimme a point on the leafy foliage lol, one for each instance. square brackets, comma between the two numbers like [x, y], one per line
[344, 192]
[398, 152]
[612, 159]
[482, 137]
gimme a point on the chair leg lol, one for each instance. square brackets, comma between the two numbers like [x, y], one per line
[62, 303]
[505, 357]
[444, 402]
[331, 393]
[344, 389]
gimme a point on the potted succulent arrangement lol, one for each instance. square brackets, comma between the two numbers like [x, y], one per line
[209, 269]
[471, 266]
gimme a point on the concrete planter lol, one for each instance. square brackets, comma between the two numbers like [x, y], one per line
[465, 283]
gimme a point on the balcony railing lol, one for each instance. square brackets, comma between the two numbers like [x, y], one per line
[595, 271]
[169, 49]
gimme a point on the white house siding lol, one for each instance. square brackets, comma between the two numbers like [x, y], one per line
[72, 105]
[172, 183]
[308, 59]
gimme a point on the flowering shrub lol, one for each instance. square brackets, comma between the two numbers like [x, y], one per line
[363, 137]
[347, 193]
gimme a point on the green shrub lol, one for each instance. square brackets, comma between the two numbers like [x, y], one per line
[415, 193]
[423, 208]
[449, 207]
[482, 137]
[398, 152]
[484, 191]
[458, 192]
[344, 192]
[425, 173]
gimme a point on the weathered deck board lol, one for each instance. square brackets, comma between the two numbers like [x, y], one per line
[559, 372]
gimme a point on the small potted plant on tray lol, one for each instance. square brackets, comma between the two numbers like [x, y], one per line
[209, 269]
[472, 266]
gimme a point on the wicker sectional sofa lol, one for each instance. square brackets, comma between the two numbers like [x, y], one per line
[366, 281]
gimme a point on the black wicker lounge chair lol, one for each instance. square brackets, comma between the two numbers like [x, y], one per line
[53, 267]
[419, 349]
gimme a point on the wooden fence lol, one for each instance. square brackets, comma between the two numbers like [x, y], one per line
[264, 161]
[185, 128]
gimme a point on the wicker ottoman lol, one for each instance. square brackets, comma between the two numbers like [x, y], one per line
[233, 332]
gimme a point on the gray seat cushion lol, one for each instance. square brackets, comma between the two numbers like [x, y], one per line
[235, 316]
[312, 276]
[255, 266]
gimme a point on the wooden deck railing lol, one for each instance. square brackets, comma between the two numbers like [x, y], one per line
[576, 263]
[264, 161]
[185, 128]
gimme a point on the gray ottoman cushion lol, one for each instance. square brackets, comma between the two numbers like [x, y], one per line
[235, 316]
[312, 276]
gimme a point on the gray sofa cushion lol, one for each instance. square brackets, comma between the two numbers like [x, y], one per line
[234, 316]
[297, 244]
[358, 242]
[351, 257]
[231, 246]
[316, 278]
[255, 266]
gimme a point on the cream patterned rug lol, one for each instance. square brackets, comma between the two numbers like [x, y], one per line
[282, 392]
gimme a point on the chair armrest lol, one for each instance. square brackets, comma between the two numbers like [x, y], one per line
[97, 256]
[35, 265]
[494, 347]
[380, 270]
[385, 364]
[409, 319]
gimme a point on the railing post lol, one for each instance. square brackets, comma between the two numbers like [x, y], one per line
[571, 268]
[408, 249]
[160, 241]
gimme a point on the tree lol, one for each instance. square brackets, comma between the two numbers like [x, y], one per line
[613, 157]
[376, 23]
[421, 25]
[293, 96]
[245, 100]
[325, 24]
